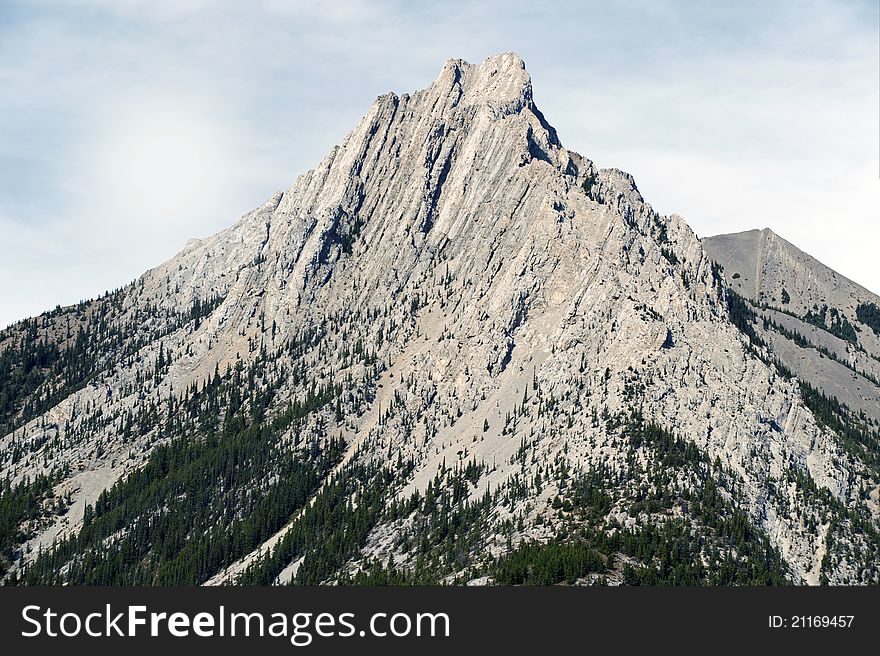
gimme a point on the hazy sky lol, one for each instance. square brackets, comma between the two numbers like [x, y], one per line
[130, 126]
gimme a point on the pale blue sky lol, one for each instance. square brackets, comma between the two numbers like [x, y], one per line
[734, 115]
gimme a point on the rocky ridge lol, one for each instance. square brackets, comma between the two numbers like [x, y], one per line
[477, 312]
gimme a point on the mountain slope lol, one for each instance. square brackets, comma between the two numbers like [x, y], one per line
[767, 269]
[823, 327]
[450, 338]
[816, 324]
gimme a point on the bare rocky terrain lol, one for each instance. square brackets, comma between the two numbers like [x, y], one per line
[453, 347]
[810, 315]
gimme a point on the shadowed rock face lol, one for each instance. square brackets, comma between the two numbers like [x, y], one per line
[509, 304]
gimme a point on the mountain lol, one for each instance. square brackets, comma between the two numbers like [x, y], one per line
[454, 351]
[815, 324]
[822, 327]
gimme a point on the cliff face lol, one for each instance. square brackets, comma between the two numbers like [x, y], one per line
[480, 314]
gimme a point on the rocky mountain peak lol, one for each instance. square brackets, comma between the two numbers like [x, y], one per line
[450, 302]
[820, 325]
[500, 82]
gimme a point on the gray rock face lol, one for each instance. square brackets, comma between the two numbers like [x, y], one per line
[822, 340]
[760, 264]
[491, 273]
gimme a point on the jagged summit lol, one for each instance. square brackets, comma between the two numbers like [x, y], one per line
[449, 338]
[500, 81]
